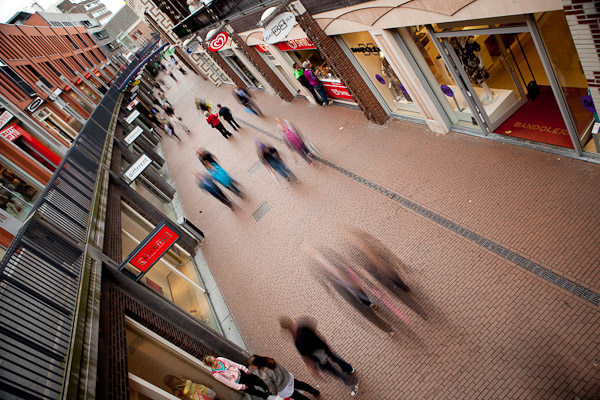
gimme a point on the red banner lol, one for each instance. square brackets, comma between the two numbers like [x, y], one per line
[337, 91]
[296, 44]
[262, 48]
[11, 133]
[154, 249]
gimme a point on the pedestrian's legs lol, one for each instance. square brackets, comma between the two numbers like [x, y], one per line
[314, 94]
[348, 379]
[347, 368]
[231, 122]
[221, 128]
[299, 385]
[234, 122]
[298, 396]
[251, 381]
[279, 167]
[255, 108]
[234, 189]
[321, 90]
[219, 195]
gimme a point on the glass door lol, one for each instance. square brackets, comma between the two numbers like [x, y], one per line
[240, 69]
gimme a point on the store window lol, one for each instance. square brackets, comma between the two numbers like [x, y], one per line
[240, 68]
[158, 369]
[380, 73]
[174, 276]
[89, 92]
[17, 195]
[55, 124]
[149, 192]
[78, 100]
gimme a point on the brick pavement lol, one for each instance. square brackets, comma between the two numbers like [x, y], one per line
[494, 330]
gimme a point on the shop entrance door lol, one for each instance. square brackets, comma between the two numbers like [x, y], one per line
[240, 69]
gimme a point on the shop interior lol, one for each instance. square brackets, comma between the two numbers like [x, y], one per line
[174, 276]
[322, 70]
[16, 195]
[151, 361]
[508, 77]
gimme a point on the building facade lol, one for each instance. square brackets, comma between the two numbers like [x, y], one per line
[95, 9]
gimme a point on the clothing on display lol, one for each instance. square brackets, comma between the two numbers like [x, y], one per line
[394, 82]
[468, 54]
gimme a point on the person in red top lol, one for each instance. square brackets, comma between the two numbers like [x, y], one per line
[213, 120]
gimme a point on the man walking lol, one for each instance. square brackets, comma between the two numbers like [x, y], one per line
[316, 353]
[225, 112]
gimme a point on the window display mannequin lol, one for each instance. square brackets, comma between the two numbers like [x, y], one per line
[469, 54]
[394, 83]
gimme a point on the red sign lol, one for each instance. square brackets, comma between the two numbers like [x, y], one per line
[88, 75]
[262, 48]
[4, 118]
[296, 44]
[78, 81]
[218, 42]
[156, 246]
[11, 133]
[337, 91]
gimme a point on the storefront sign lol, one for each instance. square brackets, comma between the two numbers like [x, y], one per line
[132, 104]
[588, 103]
[133, 135]
[152, 248]
[368, 49]
[296, 44]
[380, 79]
[218, 42]
[35, 104]
[4, 118]
[279, 28]
[136, 82]
[132, 116]
[87, 76]
[337, 91]
[262, 48]
[136, 168]
[11, 133]
[447, 91]
[133, 96]
[192, 47]
[78, 81]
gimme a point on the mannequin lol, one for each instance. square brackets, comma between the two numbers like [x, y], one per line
[469, 54]
[394, 82]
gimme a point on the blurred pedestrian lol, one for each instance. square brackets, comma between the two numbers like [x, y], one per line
[221, 176]
[272, 160]
[246, 100]
[292, 137]
[236, 376]
[309, 73]
[279, 380]
[225, 112]
[169, 73]
[213, 120]
[206, 157]
[206, 182]
[203, 105]
[299, 74]
[170, 130]
[317, 354]
[176, 65]
[187, 389]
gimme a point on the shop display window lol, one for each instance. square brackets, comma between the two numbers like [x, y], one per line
[380, 73]
[16, 194]
[78, 100]
[159, 370]
[154, 197]
[174, 276]
[85, 89]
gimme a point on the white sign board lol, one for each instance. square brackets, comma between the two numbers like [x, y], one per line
[134, 134]
[10, 133]
[9, 223]
[132, 104]
[4, 118]
[132, 116]
[192, 47]
[136, 168]
[279, 27]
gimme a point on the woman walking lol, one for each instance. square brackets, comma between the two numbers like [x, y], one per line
[207, 183]
[292, 138]
[213, 120]
[236, 376]
[279, 380]
[221, 176]
[272, 160]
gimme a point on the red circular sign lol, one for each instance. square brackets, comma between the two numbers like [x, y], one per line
[218, 42]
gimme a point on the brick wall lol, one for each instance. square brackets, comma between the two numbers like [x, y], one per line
[342, 67]
[224, 66]
[26, 163]
[262, 66]
[583, 17]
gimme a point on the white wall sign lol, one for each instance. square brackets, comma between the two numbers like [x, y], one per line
[9, 223]
[136, 168]
[134, 134]
[132, 104]
[132, 116]
[279, 27]
[10, 133]
[4, 118]
[192, 47]
[35, 104]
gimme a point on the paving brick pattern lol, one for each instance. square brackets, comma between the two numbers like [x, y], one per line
[493, 330]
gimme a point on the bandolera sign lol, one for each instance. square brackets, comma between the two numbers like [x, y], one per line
[279, 28]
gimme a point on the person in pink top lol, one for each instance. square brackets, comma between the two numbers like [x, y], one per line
[236, 376]
[309, 73]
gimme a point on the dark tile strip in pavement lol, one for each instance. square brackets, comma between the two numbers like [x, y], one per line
[503, 252]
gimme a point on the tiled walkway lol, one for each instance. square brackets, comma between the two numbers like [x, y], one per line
[494, 330]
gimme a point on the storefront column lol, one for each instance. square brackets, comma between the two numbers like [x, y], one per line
[341, 65]
[401, 66]
[225, 67]
[278, 55]
[260, 69]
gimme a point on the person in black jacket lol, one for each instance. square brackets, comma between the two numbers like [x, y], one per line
[225, 112]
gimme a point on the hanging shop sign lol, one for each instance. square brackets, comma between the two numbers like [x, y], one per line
[296, 44]
[279, 28]
[262, 48]
[34, 104]
[336, 90]
[132, 104]
[447, 90]
[136, 168]
[218, 42]
[134, 134]
[4, 118]
[152, 248]
[133, 96]
[192, 47]
[588, 103]
[11, 133]
[132, 116]
[78, 81]
[87, 76]
[9, 223]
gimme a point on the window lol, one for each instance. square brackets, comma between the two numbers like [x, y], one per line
[37, 75]
[81, 40]
[47, 64]
[77, 62]
[17, 80]
[72, 42]
[113, 45]
[97, 59]
[67, 67]
[101, 34]
[98, 13]
[87, 60]
[16, 194]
